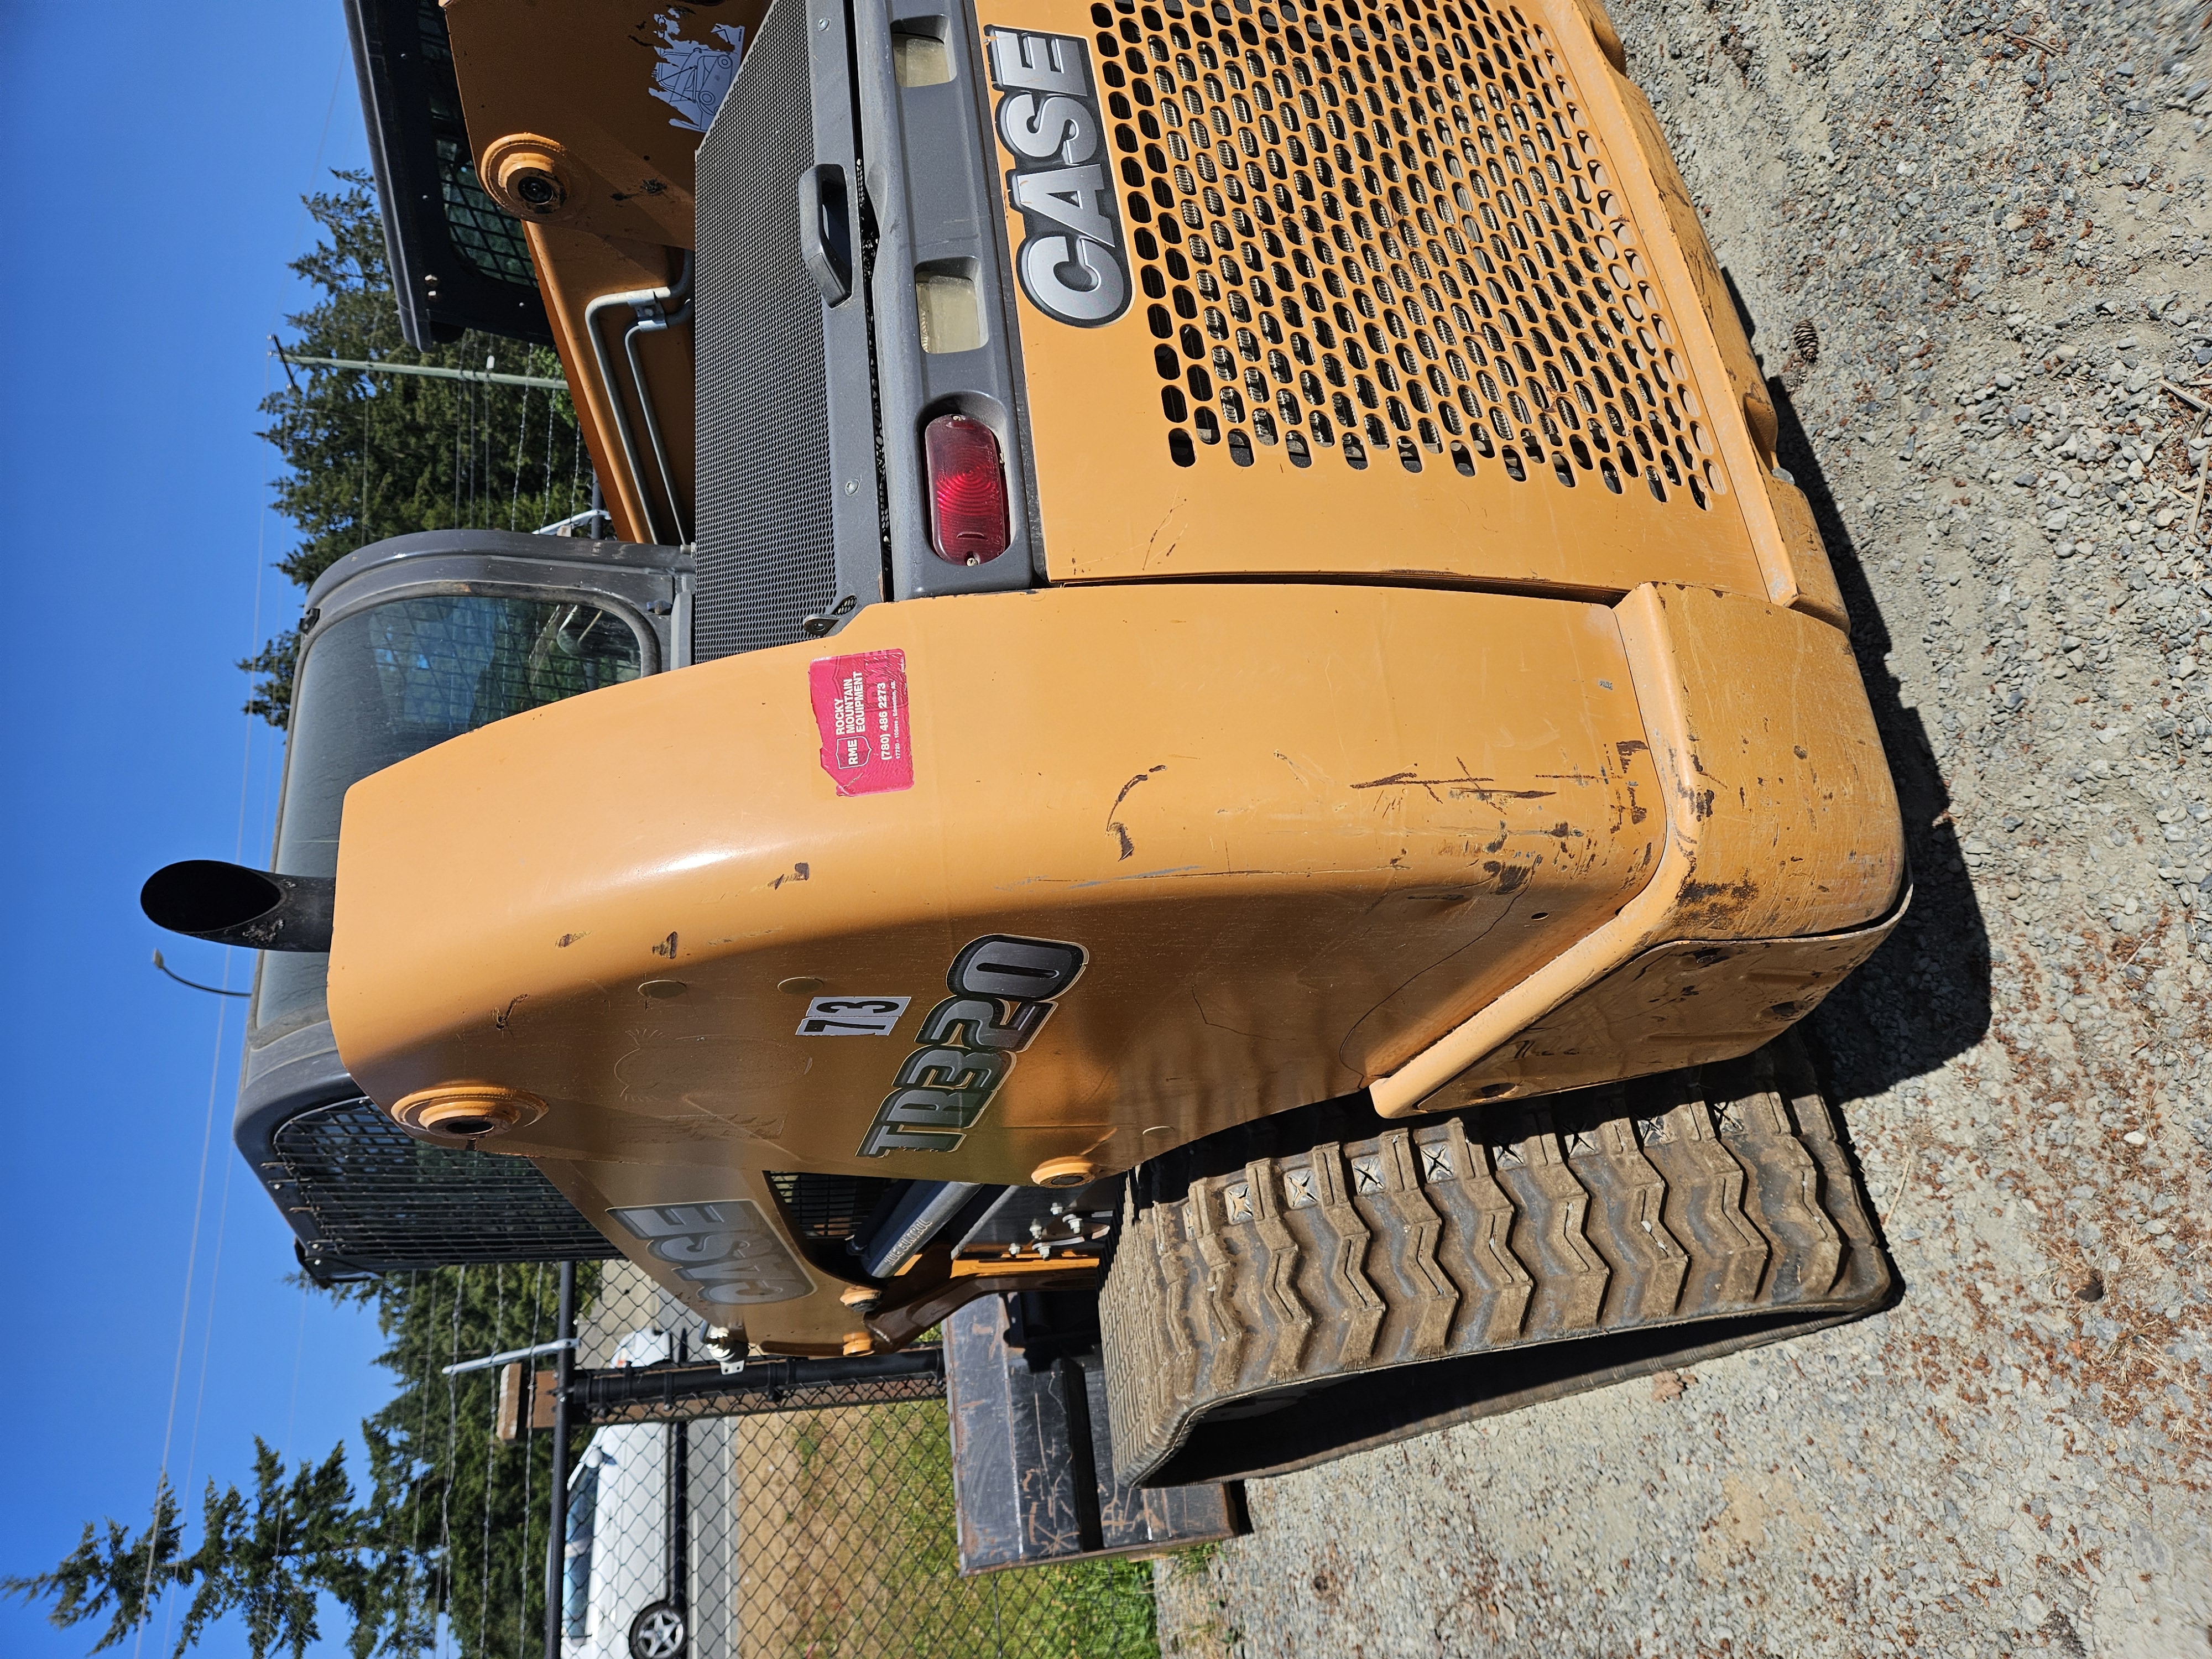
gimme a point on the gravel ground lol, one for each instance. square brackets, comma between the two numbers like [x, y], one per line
[1973, 242]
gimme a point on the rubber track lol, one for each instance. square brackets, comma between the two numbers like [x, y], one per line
[1684, 1203]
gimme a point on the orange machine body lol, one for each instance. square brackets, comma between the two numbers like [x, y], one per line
[1493, 732]
[1304, 838]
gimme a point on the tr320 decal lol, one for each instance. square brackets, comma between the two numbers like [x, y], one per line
[1003, 991]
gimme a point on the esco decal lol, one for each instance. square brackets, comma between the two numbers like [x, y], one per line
[724, 1249]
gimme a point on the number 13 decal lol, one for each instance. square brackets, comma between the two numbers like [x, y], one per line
[853, 1016]
[1003, 991]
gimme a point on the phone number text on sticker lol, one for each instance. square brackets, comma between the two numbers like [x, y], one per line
[860, 710]
[1004, 989]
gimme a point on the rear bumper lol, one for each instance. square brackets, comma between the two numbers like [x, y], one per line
[1785, 866]
[1306, 838]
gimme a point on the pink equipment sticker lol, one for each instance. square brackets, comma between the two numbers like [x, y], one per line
[860, 704]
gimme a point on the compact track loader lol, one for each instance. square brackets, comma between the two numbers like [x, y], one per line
[1205, 691]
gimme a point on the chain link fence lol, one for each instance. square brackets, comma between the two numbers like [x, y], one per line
[817, 1523]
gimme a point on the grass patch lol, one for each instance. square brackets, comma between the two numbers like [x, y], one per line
[847, 1547]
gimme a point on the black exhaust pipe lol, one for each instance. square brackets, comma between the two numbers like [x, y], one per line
[231, 904]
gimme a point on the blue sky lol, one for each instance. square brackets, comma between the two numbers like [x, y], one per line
[154, 157]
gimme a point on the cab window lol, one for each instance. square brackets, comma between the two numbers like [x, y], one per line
[392, 680]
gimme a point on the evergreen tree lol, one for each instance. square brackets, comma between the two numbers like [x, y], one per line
[451, 1528]
[369, 456]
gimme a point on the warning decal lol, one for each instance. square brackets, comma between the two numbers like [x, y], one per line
[860, 704]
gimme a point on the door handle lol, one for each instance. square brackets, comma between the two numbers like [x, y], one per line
[826, 230]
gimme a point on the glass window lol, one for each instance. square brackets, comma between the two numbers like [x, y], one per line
[392, 681]
[483, 232]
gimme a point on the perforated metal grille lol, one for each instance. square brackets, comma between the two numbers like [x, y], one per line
[766, 556]
[1389, 230]
[380, 1199]
[826, 1207]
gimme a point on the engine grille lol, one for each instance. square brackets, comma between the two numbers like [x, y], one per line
[1388, 230]
[765, 549]
[380, 1201]
[826, 1207]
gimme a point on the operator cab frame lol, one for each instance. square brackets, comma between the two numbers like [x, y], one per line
[518, 621]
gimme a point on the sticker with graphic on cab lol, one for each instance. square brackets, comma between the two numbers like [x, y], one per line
[860, 710]
[853, 1016]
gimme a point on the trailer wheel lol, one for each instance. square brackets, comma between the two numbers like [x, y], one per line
[659, 1632]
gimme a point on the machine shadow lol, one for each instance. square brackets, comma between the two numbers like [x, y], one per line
[1925, 995]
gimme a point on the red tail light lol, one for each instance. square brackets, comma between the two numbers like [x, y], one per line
[967, 489]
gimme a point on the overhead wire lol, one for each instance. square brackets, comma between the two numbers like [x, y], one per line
[184, 1321]
[526, 1410]
[552, 424]
[207, 1343]
[576, 463]
[415, 1442]
[446, 1488]
[479, 449]
[457, 467]
[229, 1165]
[215, 1067]
[515, 494]
[292, 1404]
[474, 437]
[490, 1449]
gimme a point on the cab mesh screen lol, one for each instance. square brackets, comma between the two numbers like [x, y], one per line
[765, 550]
[381, 1202]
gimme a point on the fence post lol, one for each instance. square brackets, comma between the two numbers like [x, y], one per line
[680, 1504]
[556, 1541]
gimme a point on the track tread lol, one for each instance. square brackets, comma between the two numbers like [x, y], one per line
[1681, 1200]
[1474, 1246]
[1783, 1193]
[1285, 1313]
[1627, 1225]
[1570, 1276]
[1338, 1256]
[1419, 1315]
[1219, 1297]
[1705, 1208]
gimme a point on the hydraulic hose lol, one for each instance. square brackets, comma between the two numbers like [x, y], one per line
[649, 310]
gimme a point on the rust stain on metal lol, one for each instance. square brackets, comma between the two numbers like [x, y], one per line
[1719, 896]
